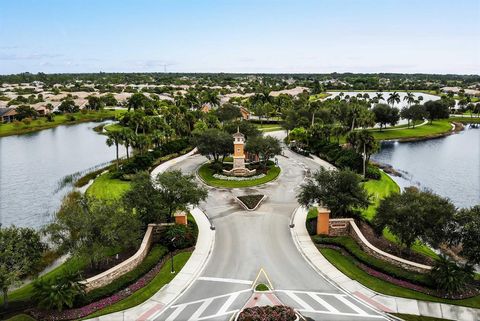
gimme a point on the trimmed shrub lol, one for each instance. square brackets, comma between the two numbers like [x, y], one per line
[27, 121]
[351, 246]
[153, 257]
[267, 313]
[373, 172]
[185, 236]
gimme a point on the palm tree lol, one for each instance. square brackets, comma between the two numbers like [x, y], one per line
[393, 98]
[409, 98]
[379, 96]
[363, 142]
[127, 137]
[114, 138]
[449, 277]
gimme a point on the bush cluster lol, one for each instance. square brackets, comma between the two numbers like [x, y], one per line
[342, 158]
[153, 257]
[185, 236]
[144, 162]
[349, 245]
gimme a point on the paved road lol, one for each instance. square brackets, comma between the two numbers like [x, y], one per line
[249, 241]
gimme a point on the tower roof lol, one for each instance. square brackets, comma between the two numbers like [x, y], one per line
[238, 134]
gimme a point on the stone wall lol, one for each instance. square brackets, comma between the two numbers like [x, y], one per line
[343, 227]
[106, 277]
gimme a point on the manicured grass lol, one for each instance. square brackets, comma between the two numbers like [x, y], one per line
[25, 292]
[106, 187]
[21, 317]
[348, 267]
[140, 296]
[42, 123]
[436, 128]
[269, 127]
[319, 96]
[261, 287]
[113, 127]
[410, 317]
[466, 119]
[378, 189]
[207, 176]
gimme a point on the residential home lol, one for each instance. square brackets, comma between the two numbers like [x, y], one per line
[7, 114]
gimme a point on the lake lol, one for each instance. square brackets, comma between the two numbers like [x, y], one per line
[449, 166]
[33, 165]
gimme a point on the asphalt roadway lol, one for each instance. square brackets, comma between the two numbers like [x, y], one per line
[247, 242]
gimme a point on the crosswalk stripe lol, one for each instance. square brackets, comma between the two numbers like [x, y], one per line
[215, 297]
[228, 303]
[376, 316]
[206, 278]
[351, 305]
[175, 313]
[200, 310]
[304, 304]
[323, 302]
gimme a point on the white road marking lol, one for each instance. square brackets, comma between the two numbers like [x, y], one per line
[323, 302]
[319, 293]
[304, 304]
[200, 310]
[344, 314]
[228, 303]
[218, 315]
[351, 305]
[175, 313]
[213, 298]
[206, 278]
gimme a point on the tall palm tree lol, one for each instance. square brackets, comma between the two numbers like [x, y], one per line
[393, 98]
[409, 98]
[363, 142]
[127, 136]
[114, 138]
[379, 96]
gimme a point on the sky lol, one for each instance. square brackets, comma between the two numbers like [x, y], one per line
[249, 36]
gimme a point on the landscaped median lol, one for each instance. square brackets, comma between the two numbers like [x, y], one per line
[206, 173]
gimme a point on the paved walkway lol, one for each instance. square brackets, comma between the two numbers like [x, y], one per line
[184, 279]
[386, 303]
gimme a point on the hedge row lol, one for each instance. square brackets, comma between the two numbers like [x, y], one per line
[152, 258]
[351, 246]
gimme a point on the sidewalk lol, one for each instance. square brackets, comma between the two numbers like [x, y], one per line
[386, 303]
[184, 278]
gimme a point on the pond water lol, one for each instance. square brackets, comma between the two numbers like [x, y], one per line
[33, 165]
[448, 166]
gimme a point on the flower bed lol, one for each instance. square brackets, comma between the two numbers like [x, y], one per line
[468, 292]
[238, 178]
[268, 313]
[84, 311]
[251, 201]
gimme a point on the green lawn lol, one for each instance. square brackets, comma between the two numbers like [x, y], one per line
[269, 127]
[42, 123]
[113, 127]
[348, 267]
[21, 317]
[25, 292]
[436, 128]
[319, 96]
[162, 278]
[207, 176]
[106, 187]
[378, 189]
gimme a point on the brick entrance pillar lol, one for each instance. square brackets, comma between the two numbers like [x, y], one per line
[323, 221]
[180, 218]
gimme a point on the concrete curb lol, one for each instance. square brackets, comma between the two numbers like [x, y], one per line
[382, 302]
[245, 206]
[184, 279]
